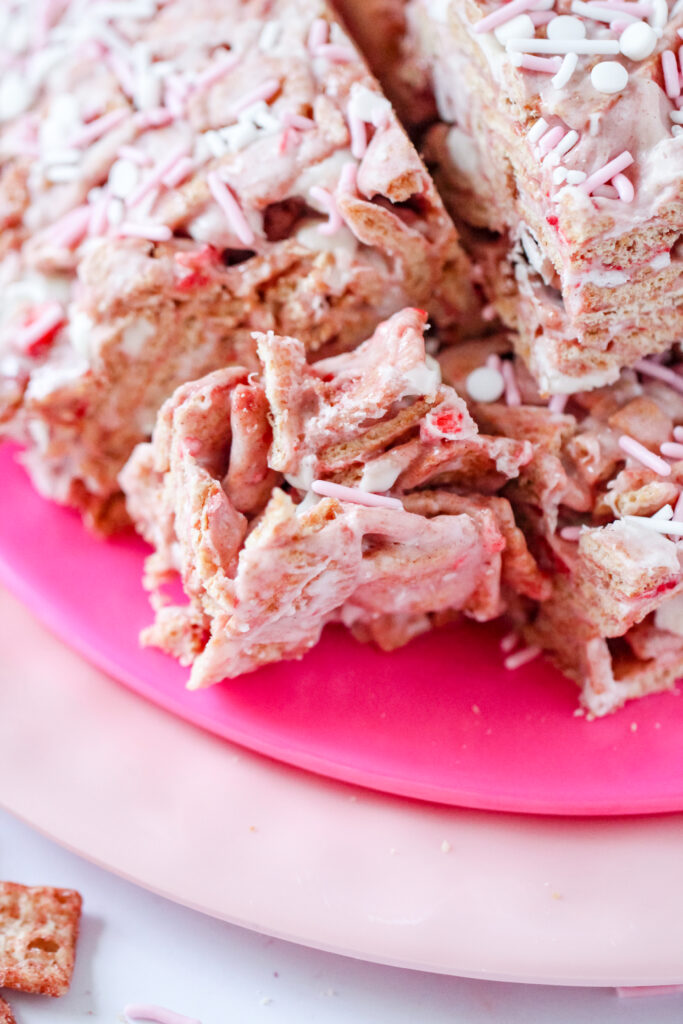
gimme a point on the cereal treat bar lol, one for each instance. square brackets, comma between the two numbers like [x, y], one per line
[560, 133]
[174, 176]
[601, 505]
[353, 490]
[6, 1015]
[38, 932]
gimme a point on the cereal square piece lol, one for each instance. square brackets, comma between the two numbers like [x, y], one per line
[38, 932]
[6, 1016]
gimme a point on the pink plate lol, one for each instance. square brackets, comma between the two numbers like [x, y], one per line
[440, 720]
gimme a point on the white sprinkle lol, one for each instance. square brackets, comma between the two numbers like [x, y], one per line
[369, 106]
[537, 130]
[660, 14]
[676, 130]
[116, 211]
[609, 76]
[606, 46]
[566, 143]
[214, 143]
[521, 27]
[151, 232]
[665, 513]
[270, 34]
[575, 177]
[676, 116]
[566, 27]
[559, 175]
[60, 173]
[637, 41]
[672, 527]
[446, 846]
[123, 178]
[16, 95]
[522, 657]
[485, 384]
[567, 69]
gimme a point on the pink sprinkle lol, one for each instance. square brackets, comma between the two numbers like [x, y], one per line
[550, 139]
[678, 509]
[359, 138]
[327, 201]
[522, 657]
[503, 14]
[157, 175]
[99, 127]
[546, 65]
[140, 1011]
[672, 450]
[136, 156]
[347, 178]
[678, 434]
[337, 54]
[178, 173]
[264, 92]
[618, 26]
[512, 395]
[542, 17]
[672, 81]
[214, 73]
[317, 35]
[69, 231]
[51, 317]
[570, 533]
[231, 208]
[494, 362]
[624, 188]
[509, 642]
[298, 121]
[157, 117]
[149, 231]
[648, 368]
[643, 455]
[606, 172]
[557, 403]
[329, 490]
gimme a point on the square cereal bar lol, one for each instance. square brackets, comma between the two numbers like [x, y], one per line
[355, 490]
[172, 181]
[560, 135]
[600, 504]
[38, 932]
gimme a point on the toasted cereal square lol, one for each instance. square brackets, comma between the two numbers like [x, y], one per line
[6, 1016]
[38, 932]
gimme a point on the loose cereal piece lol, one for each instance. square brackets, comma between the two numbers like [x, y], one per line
[38, 932]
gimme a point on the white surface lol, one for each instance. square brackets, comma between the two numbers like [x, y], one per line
[135, 946]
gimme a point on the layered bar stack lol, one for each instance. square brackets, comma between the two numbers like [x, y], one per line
[173, 177]
[560, 135]
[355, 490]
[600, 504]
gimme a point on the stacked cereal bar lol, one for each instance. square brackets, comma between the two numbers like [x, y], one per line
[561, 135]
[356, 489]
[173, 176]
[601, 505]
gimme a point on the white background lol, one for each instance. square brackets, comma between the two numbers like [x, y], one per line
[137, 947]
